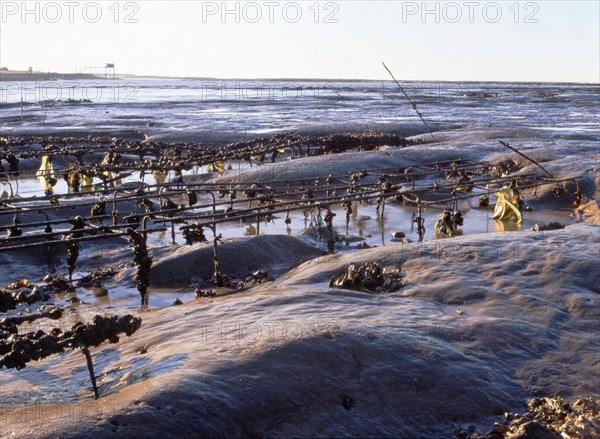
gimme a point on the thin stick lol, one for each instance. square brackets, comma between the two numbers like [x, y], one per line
[528, 158]
[410, 102]
[85, 238]
[90, 366]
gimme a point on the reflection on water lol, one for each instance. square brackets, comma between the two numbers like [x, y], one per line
[506, 226]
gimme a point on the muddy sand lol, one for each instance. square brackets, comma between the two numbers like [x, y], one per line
[484, 322]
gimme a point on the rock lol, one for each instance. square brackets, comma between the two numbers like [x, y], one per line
[539, 227]
[549, 418]
[100, 291]
[534, 430]
[19, 284]
[590, 212]
[347, 402]
[33, 346]
[204, 293]
[498, 432]
[258, 277]
[260, 274]
[398, 236]
[370, 277]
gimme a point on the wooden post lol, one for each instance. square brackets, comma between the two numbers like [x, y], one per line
[90, 365]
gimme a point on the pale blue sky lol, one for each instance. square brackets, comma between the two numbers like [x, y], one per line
[176, 39]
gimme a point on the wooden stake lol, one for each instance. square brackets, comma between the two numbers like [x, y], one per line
[528, 158]
[410, 102]
[90, 365]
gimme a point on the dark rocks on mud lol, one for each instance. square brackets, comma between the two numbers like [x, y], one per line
[21, 293]
[534, 429]
[9, 325]
[347, 402]
[363, 245]
[97, 275]
[24, 292]
[198, 292]
[370, 277]
[57, 283]
[398, 236]
[18, 350]
[546, 418]
[366, 141]
[540, 227]
[258, 277]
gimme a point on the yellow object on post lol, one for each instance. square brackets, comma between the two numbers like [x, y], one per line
[87, 182]
[46, 173]
[507, 207]
[218, 167]
[160, 177]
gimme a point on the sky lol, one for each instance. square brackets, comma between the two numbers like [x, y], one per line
[455, 41]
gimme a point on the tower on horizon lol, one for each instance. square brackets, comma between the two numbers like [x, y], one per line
[107, 70]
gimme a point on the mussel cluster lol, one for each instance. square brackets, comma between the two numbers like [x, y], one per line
[97, 275]
[551, 225]
[199, 292]
[13, 164]
[366, 141]
[22, 294]
[448, 223]
[193, 234]
[548, 418]
[10, 325]
[18, 350]
[142, 259]
[257, 278]
[370, 277]
[159, 157]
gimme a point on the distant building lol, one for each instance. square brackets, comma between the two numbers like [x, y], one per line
[109, 70]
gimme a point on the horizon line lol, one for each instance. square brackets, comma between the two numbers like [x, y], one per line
[312, 79]
[305, 79]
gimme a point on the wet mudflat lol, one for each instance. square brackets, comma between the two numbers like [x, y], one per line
[470, 326]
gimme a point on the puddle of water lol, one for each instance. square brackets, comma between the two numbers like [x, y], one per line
[30, 187]
[364, 224]
[129, 297]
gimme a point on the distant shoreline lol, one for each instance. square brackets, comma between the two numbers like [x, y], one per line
[50, 76]
[53, 76]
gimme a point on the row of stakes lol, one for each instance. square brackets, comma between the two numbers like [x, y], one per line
[450, 220]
